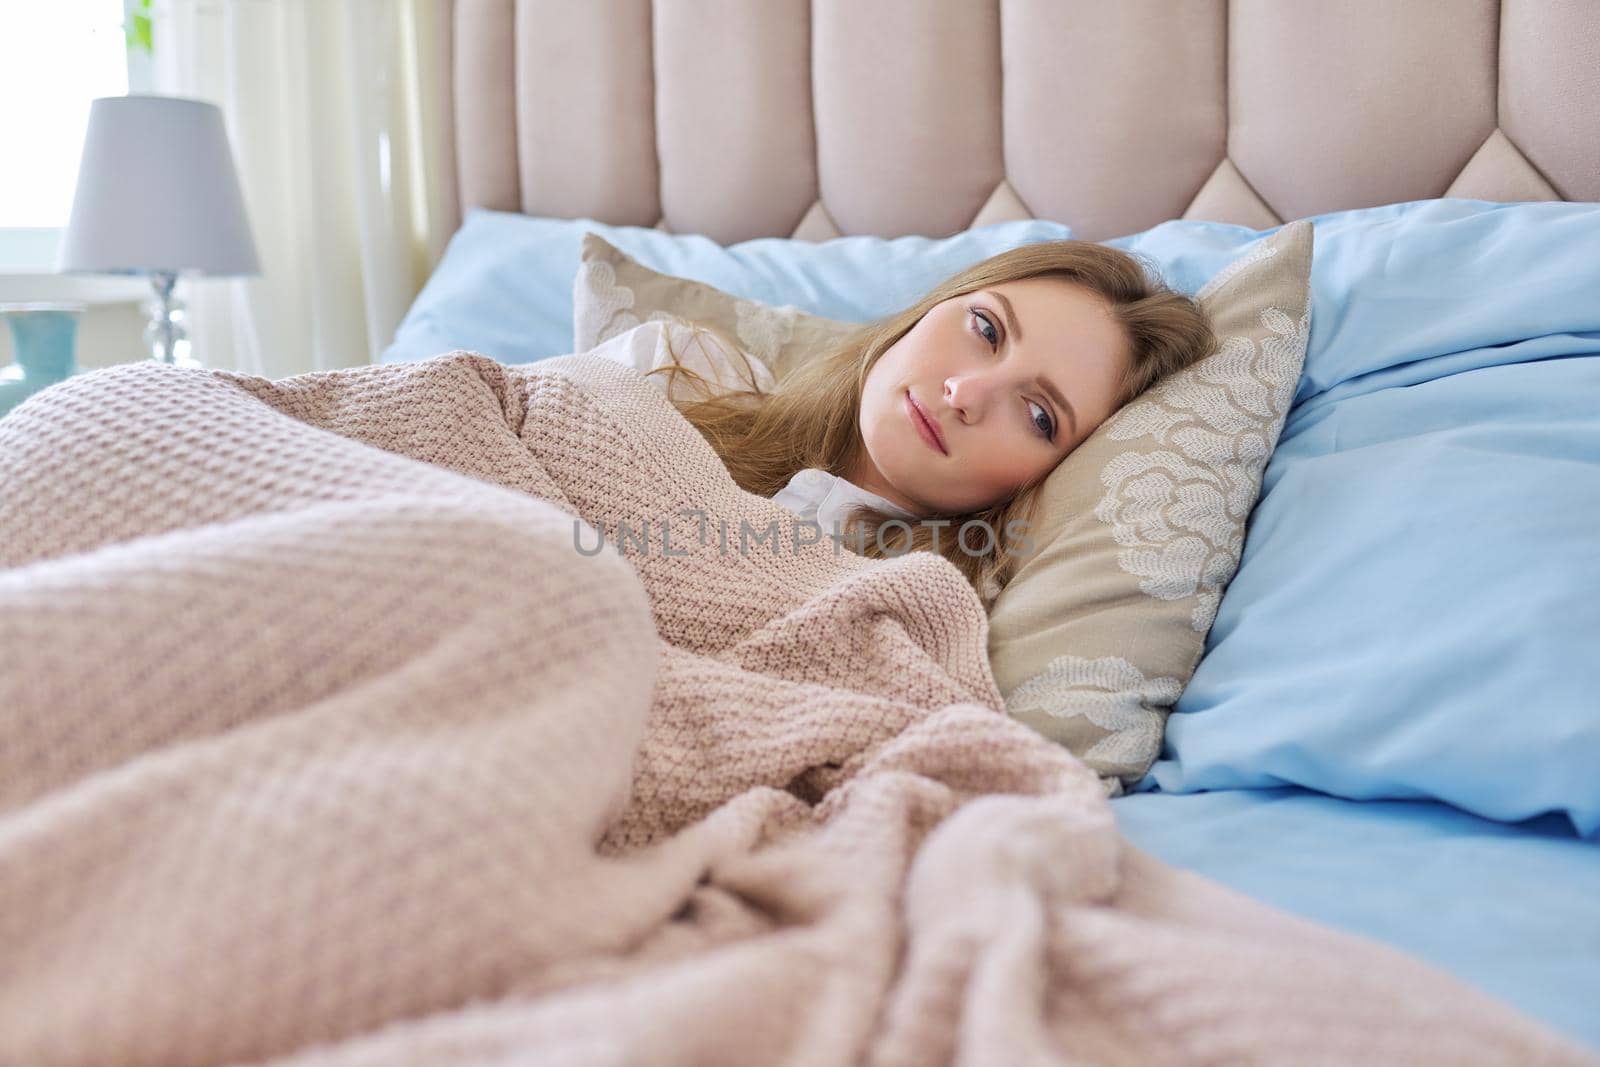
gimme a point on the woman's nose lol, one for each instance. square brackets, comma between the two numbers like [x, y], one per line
[964, 393]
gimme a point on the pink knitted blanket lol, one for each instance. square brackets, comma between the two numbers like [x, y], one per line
[327, 739]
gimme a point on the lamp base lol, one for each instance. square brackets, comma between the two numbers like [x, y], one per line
[166, 334]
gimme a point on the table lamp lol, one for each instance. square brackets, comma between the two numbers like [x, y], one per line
[158, 194]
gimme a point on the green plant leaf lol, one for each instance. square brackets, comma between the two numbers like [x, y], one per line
[140, 35]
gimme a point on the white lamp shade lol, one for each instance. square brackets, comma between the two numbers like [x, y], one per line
[157, 191]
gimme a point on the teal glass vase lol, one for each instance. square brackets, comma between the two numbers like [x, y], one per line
[44, 346]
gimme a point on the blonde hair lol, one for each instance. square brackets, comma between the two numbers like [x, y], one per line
[810, 417]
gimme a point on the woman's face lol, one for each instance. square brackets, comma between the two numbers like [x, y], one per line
[1013, 377]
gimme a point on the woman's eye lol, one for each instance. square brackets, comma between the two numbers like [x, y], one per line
[1046, 426]
[986, 328]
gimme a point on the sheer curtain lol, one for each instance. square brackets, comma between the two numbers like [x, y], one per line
[330, 107]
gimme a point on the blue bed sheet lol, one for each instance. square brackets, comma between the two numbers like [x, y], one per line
[1512, 909]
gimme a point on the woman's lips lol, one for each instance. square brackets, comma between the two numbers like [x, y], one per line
[925, 425]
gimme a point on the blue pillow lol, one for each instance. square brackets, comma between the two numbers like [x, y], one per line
[504, 284]
[1417, 609]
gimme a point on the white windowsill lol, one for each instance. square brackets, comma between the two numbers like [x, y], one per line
[28, 256]
[84, 288]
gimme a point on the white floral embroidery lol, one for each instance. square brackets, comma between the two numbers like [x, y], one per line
[1180, 512]
[763, 331]
[603, 308]
[1262, 251]
[1112, 694]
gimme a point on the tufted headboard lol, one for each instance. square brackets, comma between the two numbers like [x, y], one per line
[814, 118]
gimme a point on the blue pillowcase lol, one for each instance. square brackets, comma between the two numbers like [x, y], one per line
[1417, 609]
[504, 284]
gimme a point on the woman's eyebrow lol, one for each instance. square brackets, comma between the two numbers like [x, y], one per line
[1055, 394]
[1042, 382]
[1010, 312]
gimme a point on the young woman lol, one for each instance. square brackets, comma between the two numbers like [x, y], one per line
[955, 409]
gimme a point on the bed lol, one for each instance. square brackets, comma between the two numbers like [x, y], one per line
[1260, 114]
[408, 822]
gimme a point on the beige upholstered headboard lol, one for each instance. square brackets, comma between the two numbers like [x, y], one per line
[812, 118]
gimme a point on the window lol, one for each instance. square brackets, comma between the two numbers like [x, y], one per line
[54, 59]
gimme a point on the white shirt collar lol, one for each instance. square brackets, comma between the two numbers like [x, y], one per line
[826, 498]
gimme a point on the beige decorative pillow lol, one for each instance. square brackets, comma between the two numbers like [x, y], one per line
[1138, 532]
[614, 293]
[1135, 535]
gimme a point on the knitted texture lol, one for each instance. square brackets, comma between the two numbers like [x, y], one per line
[324, 741]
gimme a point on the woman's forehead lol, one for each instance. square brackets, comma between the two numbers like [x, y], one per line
[1047, 290]
[1056, 307]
